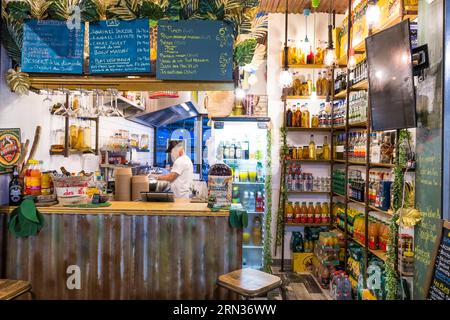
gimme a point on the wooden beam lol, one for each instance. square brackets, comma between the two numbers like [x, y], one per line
[125, 83]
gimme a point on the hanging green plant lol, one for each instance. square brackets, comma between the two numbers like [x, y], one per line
[283, 192]
[392, 280]
[267, 244]
[243, 53]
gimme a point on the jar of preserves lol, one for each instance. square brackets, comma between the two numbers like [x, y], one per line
[315, 121]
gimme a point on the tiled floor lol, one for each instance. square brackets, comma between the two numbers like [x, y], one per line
[297, 286]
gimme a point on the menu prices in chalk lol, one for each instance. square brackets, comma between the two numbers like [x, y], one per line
[51, 46]
[117, 47]
[440, 283]
[194, 50]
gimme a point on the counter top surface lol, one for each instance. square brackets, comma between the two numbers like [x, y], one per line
[139, 208]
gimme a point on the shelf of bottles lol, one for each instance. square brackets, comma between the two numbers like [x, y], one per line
[242, 146]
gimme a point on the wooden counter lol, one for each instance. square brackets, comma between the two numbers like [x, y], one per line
[136, 207]
[129, 250]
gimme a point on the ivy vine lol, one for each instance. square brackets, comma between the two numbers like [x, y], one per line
[267, 244]
[284, 150]
[392, 279]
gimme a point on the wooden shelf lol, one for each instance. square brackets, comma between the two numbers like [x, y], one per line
[379, 254]
[338, 194]
[309, 161]
[308, 224]
[361, 85]
[71, 152]
[339, 127]
[372, 208]
[340, 161]
[6, 172]
[341, 94]
[308, 192]
[296, 129]
[357, 202]
[356, 163]
[307, 66]
[143, 83]
[361, 124]
[305, 97]
[382, 165]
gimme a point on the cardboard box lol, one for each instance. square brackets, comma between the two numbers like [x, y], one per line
[302, 262]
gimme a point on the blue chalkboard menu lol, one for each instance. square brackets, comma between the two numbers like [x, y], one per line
[194, 50]
[49, 46]
[440, 281]
[117, 47]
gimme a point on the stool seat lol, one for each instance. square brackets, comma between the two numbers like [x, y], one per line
[249, 282]
[10, 289]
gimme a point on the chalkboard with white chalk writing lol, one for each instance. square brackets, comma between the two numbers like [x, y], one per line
[440, 281]
[195, 50]
[51, 46]
[119, 47]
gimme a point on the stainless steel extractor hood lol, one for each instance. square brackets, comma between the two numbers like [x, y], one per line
[166, 110]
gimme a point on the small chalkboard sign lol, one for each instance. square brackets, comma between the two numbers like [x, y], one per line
[117, 47]
[50, 46]
[195, 50]
[440, 281]
[219, 124]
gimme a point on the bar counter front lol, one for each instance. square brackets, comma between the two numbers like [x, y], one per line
[129, 250]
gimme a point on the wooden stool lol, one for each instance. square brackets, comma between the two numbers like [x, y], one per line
[249, 282]
[11, 289]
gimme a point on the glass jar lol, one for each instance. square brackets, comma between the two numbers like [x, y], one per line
[144, 142]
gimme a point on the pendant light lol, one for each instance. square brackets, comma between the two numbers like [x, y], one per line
[306, 44]
[330, 54]
[372, 13]
[351, 60]
[286, 75]
[313, 90]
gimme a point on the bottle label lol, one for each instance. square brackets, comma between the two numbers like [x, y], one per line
[15, 194]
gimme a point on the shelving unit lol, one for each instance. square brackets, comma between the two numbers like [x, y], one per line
[365, 125]
[305, 131]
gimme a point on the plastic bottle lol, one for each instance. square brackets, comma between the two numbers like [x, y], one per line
[347, 289]
[245, 199]
[252, 202]
[259, 202]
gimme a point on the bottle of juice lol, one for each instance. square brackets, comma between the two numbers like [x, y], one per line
[304, 213]
[305, 117]
[318, 213]
[297, 213]
[256, 231]
[326, 149]
[33, 178]
[289, 117]
[310, 212]
[298, 117]
[289, 211]
[325, 213]
[312, 149]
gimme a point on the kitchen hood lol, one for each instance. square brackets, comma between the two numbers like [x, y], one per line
[163, 109]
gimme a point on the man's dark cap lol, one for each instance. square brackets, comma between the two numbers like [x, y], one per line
[172, 144]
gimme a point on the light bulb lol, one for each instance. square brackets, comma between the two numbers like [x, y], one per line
[352, 62]
[330, 57]
[372, 13]
[252, 79]
[313, 93]
[239, 93]
[286, 78]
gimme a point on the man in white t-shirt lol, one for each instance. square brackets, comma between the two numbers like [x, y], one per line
[182, 174]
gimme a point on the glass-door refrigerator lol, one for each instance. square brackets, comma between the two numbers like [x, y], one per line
[242, 144]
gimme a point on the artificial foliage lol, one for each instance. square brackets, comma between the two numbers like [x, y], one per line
[283, 191]
[392, 279]
[267, 244]
[249, 26]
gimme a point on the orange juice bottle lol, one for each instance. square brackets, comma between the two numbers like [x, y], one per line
[33, 178]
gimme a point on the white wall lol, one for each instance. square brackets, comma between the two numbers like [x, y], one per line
[275, 43]
[27, 112]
